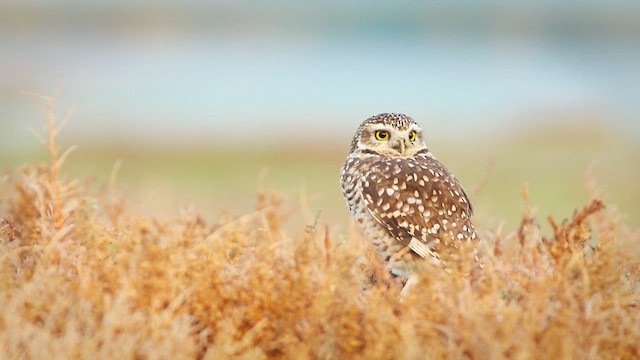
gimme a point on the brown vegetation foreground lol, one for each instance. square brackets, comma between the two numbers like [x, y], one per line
[82, 278]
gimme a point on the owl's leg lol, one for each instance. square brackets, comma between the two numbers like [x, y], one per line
[412, 280]
[379, 273]
[399, 280]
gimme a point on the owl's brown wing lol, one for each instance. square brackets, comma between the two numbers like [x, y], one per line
[419, 202]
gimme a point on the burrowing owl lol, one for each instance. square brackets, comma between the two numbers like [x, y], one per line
[406, 202]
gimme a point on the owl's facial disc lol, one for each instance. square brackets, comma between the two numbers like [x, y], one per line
[392, 141]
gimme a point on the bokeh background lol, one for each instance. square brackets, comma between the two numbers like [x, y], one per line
[206, 102]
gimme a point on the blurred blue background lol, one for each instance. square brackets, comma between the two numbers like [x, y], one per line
[286, 69]
[199, 97]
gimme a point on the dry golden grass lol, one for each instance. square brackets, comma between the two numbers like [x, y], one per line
[80, 277]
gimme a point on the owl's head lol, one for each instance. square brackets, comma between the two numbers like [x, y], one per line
[389, 135]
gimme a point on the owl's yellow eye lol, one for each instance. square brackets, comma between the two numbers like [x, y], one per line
[412, 136]
[382, 135]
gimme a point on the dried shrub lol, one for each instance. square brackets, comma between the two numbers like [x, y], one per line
[82, 278]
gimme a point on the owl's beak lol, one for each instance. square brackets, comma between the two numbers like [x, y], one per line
[400, 146]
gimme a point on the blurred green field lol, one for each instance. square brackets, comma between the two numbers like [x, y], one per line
[553, 159]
